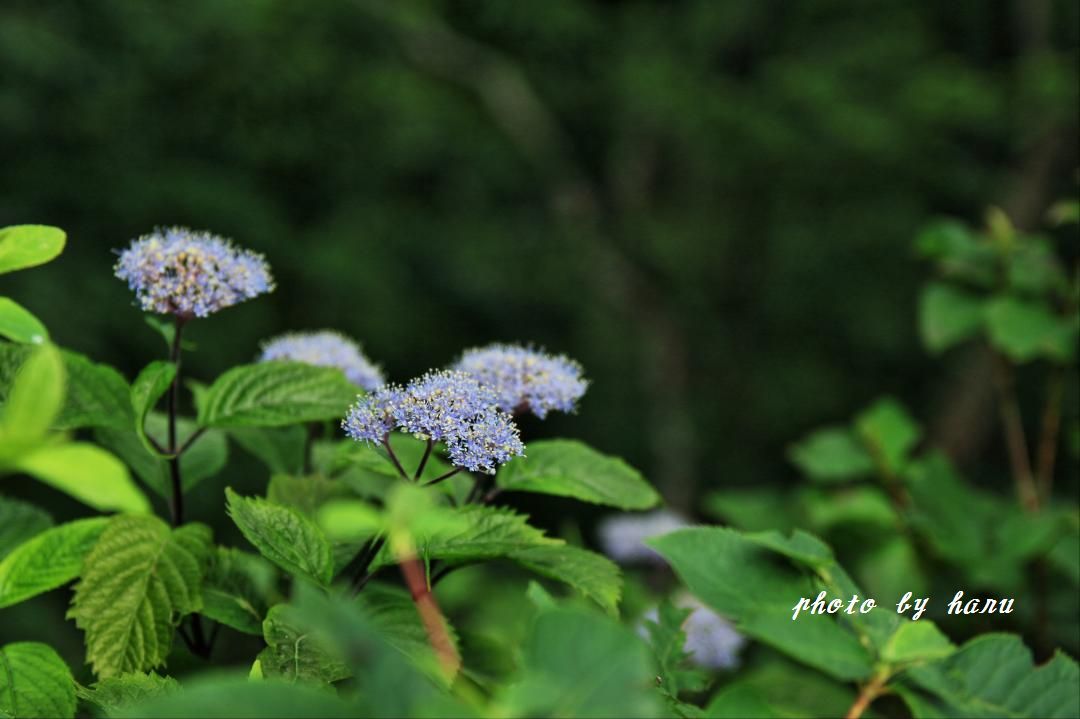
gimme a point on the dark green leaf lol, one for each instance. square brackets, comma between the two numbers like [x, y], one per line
[35, 682]
[833, 454]
[284, 536]
[948, 316]
[19, 521]
[272, 394]
[115, 694]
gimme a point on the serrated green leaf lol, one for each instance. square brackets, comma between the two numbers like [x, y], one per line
[993, 676]
[139, 580]
[49, 560]
[115, 694]
[19, 325]
[87, 473]
[272, 394]
[1026, 330]
[153, 382]
[284, 536]
[19, 521]
[294, 653]
[740, 578]
[780, 690]
[203, 459]
[23, 246]
[668, 641]
[35, 682]
[576, 663]
[595, 576]
[832, 454]
[281, 449]
[890, 433]
[948, 316]
[568, 468]
[239, 589]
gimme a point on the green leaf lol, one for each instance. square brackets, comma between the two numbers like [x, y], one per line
[294, 653]
[890, 433]
[305, 494]
[780, 690]
[115, 694]
[393, 614]
[567, 468]
[19, 521]
[958, 252]
[203, 459]
[1026, 330]
[36, 396]
[1034, 268]
[19, 325]
[739, 577]
[948, 316]
[23, 246]
[272, 394]
[993, 676]
[668, 642]
[97, 395]
[280, 449]
[139, 580]
[87, 473]
[591, 574]
[49, 560]
[916, 643]
[284, 536]
[236, 697]
[833, 454]
[576, 663]
[35, 682]
[239, 589]
[153, 382]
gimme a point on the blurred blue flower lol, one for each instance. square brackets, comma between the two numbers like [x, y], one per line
[325, 348]
[185, 273]
[525, 379]
[711, 640]
[622, 536]
[445, 406]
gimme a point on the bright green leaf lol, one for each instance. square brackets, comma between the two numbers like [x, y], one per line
[916, 642]
[19, 325]
[284, 536]
[1026, 330]
[271, 394]
[115, 694]
[35, 682]
[87, 473]
[153, 382]
[49, 560]
[34, 401]
[890, 433]
[568, 468]
[139, 580]
[832, 454]
[23, 246]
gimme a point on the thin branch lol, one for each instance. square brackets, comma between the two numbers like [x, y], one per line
[176, 505]
[1048, 437]
[869, 692]
[423, 461]
[191, 440]
[430, 615]
[442, 477]
[1015, 438]
[393, 457]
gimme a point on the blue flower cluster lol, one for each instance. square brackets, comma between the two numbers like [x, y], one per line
[711, 640]
[524, 379]
[325, 348]
[446, 406]
[185, 273]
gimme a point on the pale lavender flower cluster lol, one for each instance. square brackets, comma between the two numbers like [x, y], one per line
[622, 536]
[525, 379]
[185, 273]
[325, 348]
[711, 640]
[445, 406]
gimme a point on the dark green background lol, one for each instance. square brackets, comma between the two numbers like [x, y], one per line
[710, 204]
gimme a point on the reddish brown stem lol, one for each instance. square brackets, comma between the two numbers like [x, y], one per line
[430, 615]
[870, 691]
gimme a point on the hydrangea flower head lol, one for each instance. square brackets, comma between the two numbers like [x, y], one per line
[325, 348]
[445, 406]
[185, 273]
[526, 379]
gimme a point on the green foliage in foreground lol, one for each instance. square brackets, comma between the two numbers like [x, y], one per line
[341, 527]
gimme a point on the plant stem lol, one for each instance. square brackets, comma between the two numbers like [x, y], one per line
[443, 477]
[477, 490]
[359, 566]
[1051, 426]
[393, 457]
[1015, 439]
[176, 505]
[313, 431]
[423, 461]
[869, 692]
[429, 612]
